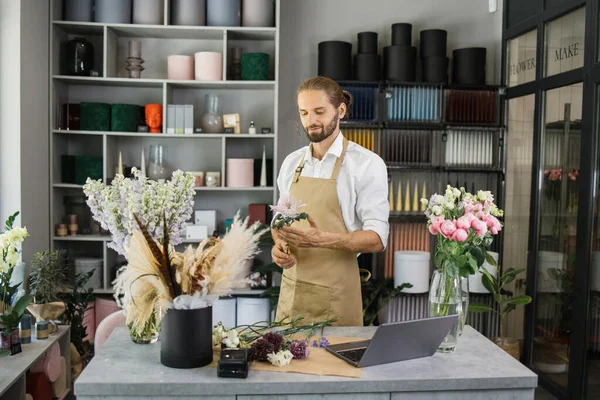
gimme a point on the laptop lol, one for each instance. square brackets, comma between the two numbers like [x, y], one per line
[396, 341]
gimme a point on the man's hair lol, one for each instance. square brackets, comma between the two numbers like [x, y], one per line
[334, 92]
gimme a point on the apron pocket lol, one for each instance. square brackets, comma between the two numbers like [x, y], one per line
[312, 301]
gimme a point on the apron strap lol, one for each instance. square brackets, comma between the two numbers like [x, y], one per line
[340, 159]
[298, 170]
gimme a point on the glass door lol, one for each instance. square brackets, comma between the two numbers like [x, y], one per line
[560, 153]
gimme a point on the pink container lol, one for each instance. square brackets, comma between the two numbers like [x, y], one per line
[209, 66]
[52, 363]
[104, 307]
[240, 172]
[180, 68]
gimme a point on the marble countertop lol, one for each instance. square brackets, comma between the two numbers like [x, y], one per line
[122, 368]
[12, 367]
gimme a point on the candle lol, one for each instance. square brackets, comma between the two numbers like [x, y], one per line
[391, 196]
[407, 198]
[424, 195]
[263, 169]
[143, 164]
[120, 169]
[415, 205]
[399, 197]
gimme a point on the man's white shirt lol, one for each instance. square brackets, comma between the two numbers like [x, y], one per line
[362, 184]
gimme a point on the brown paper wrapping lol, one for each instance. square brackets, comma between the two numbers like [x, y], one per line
[319, 362]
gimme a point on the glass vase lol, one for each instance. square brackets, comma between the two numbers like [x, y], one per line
[464, 290]
[445, 298]
[212, 120]
[151, 331]
[157, 169]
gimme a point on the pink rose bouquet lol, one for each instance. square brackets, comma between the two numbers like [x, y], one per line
[465, 225]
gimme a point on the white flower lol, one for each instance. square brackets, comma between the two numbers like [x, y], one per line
[485, 196]
[424, 202]
[436, 210]
[450, 205]
[281, 358]
[456, 192]
[231, 339]
[288, 206]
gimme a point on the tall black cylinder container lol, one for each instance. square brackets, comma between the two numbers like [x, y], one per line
[400, 63]
[401, 34]
[433, 43]
[186, 338]
[335, 60]
[78, 57]
[468, 66]
[435, 69]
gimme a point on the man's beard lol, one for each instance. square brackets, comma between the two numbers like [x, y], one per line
[325, 131]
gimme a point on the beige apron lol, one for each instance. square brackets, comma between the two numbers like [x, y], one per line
[324, 284]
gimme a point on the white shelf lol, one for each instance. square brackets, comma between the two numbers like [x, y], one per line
[167, 31]
[233, 189]
[82, 238]
[168, 135]
[67, 186]
[158, 83]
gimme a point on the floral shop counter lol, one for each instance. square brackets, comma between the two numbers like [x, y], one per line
[477, 369]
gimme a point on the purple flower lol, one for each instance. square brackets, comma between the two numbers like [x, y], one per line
[260, 349]
[299, 349]
[275, 339]
[323, 342]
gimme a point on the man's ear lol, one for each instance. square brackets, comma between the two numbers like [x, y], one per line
[342, 110]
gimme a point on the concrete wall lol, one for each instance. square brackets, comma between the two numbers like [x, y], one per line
[305, 23]
[24, 175]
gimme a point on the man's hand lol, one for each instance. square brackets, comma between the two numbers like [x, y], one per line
[309, 237]
[280, 257]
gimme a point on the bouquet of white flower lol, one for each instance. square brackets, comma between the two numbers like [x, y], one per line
[10, 241]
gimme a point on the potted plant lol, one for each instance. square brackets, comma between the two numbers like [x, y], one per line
[10, 322]
[376, 294]
[48, 273]
[10, 241]
[505, 304]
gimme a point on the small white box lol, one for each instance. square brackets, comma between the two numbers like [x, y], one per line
[196, 232]
[179, 118]
[207, 218]
[170, 118]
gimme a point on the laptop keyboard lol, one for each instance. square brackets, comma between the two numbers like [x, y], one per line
[353, 354]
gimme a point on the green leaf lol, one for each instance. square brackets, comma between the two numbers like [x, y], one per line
[490, 260]
[10, 221]
[438, 259]
[479, 308]
[509, 307]
[451, 267]
[498, 298]
[461, 261]
[488, 281]
[517, 301]
[478, 255]
[22, 303]
[509, 276]
[472, 265]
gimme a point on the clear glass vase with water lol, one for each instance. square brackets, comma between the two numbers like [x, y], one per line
[445, 298]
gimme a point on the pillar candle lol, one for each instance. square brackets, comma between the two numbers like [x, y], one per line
[415, 204]
[120, 168]
[407, 197]
[399, 197]
[391, 196]
[263, 169]
[424, 195]
[143, 164]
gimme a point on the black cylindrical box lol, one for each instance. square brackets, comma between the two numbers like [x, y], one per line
[433, 43]
[468, 66]
[186, 338]
[367, 67]
[401, 34]
[400, 63]
[435, 69]
[367, 43]
[335, 60]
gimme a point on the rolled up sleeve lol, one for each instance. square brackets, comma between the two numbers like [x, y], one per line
[372, 205]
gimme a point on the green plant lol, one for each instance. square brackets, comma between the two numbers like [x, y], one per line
[376, 294]
[10, 318]
[506, 303]
[77, 302]
[9, 256]
[48, 271]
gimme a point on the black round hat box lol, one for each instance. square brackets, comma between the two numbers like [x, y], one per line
[468, 66]
[186, 338]
[400, 63]
[433, 43]
[335, 60]
[367, 67]
[435, 69]
[401, 34]
[367, 43]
